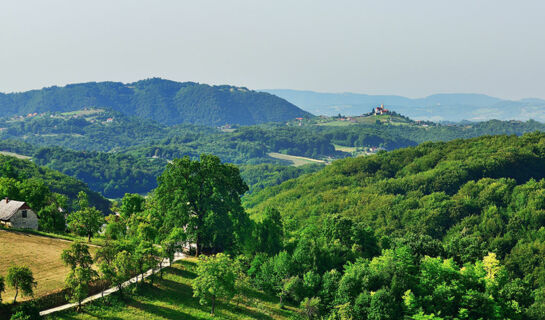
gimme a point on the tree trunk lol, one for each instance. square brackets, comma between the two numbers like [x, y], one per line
[16, 293]
[197, 246]
[213, 305]
[89, 237]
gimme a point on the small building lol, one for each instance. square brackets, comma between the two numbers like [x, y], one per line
[17, 214]
[380, 110]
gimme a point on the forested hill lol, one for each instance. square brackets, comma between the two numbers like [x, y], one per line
[427, 188]
[465, 201]
[23, 180]
[160, 100]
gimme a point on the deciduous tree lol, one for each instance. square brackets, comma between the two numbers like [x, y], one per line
[203, 197]
[87, 220]
[215, 279]
[21, 278]
[78, 258]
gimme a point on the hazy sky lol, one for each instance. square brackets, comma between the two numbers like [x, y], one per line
[406, 47]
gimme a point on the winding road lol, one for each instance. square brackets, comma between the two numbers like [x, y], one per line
[164, 264]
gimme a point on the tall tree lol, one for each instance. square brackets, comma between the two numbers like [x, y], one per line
[204, 198]
[87, 220]
[21, 278]
[78, 258]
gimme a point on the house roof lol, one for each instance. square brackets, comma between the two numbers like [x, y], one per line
[9, 207]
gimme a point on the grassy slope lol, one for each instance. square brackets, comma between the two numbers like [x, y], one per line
[172, 298]
[41, 254]
[16, 155]
[295, 160]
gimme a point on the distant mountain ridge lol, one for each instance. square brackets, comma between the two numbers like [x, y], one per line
[164, 101]
[437, 107]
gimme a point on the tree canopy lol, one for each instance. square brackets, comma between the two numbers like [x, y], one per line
[203, 197]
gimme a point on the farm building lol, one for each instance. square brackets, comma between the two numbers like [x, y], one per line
[17, 214]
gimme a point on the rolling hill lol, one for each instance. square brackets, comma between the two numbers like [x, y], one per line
[160, 100]
[437, 107]
[14, 169]
[373, 189]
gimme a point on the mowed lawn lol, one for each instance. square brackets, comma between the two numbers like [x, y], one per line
[41, 254]
[172, 298]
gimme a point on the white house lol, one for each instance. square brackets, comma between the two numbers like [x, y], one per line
[17, 214]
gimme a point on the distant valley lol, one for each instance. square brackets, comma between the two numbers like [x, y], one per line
[438, 107]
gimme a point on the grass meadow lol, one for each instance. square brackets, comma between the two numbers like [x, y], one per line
[41, 254]
[172, 298]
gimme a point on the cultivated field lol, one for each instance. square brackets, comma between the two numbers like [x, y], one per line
[41, 254]
[295, 160]
[81, 113]
[172, 298]
[16, 155]
[344, 148]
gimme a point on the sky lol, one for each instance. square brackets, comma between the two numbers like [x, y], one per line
[412, 48]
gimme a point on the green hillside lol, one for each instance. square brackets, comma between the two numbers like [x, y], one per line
[22, 179]
[159, 100]
[364, 187]
[172, 298]
[468, 204]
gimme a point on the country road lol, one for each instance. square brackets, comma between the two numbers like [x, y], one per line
[164, 264]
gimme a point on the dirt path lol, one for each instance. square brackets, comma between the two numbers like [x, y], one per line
[107, 292]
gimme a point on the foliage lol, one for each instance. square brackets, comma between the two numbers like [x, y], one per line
[215, 279]
[78, 258]
[21, 278]
[111, 174]
[268, 233]
[41, 187]
[26, 311]
[310, 307]
[87, 220]
[204, 198]
[441, 230]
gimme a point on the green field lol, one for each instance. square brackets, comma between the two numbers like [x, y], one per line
[16, 155]
[336, 123]
[172, 298]
[295, 160]
[87, 112]
[344, 148]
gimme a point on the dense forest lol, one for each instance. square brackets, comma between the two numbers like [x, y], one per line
[22, 179]
[158, 100]
[451, 229]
